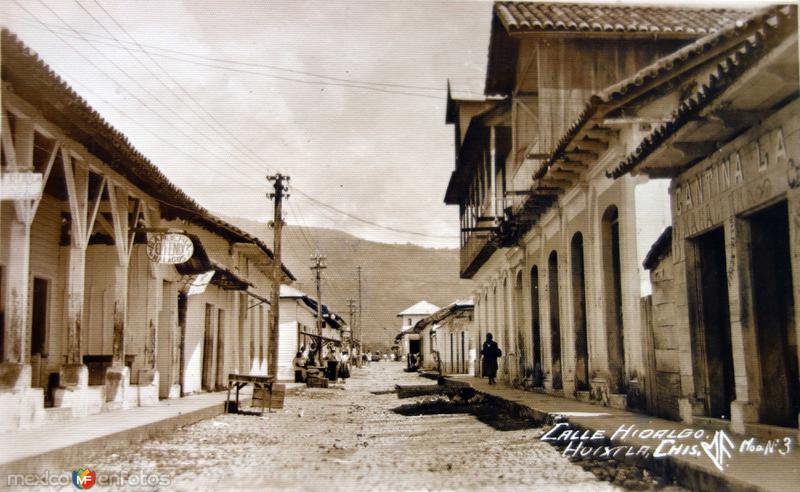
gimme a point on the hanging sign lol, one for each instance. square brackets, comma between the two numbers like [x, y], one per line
[196, 284]
[169, 248]
[20, 186]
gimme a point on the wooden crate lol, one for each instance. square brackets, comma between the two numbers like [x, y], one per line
[314, 382]
[278, 396]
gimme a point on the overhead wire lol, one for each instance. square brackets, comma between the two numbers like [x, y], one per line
[302, 193]
[143, 47]
[222, 126]
[157, 78]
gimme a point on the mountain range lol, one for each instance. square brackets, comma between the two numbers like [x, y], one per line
[393, 276]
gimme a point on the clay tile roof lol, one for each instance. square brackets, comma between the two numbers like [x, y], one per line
[721, 78]
[661, 68]
[549, 16]
[659, 249]
[32, 78]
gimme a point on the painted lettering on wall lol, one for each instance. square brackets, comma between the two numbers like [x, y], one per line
[754, 162]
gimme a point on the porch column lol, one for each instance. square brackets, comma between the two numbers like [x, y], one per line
[20, 405]
[18, 214]
[118, 375]
[14, 373]
[74, 374]
[149, 377]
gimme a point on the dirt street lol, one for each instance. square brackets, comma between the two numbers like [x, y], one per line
[349, 439]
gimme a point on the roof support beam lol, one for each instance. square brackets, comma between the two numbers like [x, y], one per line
[692, 150]
[585, 157]
[591, 145]
[737, 118]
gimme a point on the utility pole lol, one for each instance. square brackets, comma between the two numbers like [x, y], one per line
[360, 326]
[277, 274]
[351, 304]
[319, 265]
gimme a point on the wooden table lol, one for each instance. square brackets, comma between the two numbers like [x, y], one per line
[259, 382]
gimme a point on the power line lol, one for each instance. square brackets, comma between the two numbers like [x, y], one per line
[137, 98]
[374, 224]
[167, 73]
[142, 47]
[261, 74]
[307, 196]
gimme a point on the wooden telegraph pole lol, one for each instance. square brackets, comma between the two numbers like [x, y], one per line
[360, 326]
[319, 265]
[277, 274]
[351, 304]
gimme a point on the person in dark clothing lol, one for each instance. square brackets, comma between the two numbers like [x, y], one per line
[490, 352]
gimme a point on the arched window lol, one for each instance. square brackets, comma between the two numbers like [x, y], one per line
[612, 283]
[579, 313]
[536, 335]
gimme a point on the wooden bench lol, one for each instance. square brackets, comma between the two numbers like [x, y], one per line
[239, 381]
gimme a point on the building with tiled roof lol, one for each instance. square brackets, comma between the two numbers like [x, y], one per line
[117, 288]
[725, 278]
[514, 21]
[556, 246]
[409, 340]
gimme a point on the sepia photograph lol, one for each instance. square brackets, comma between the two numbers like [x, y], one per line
[400, 245]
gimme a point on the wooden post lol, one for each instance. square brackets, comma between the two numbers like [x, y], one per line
[17, 148]
[277, 274]
[118, 376]
[82, 218]
[16, 291]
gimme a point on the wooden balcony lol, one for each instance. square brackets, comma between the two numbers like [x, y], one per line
[474, 253]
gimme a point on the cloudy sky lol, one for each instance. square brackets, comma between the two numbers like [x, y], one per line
[347, 98]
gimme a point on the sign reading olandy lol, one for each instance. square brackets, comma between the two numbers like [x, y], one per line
[169, 248]
[20, 186]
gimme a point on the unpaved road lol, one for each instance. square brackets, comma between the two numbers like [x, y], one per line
[349, 439]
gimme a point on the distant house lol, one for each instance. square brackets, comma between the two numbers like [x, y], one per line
[298, 328]
[408, 339]
[449, 339]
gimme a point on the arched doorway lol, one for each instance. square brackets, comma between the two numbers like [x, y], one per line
[536, 335]
[518, 333]
[579, 313]
[555, 321]
[505, 343]
[612, 282]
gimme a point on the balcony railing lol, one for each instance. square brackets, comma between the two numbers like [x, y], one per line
[474, 253]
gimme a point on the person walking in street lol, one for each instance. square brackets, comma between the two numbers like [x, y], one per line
[490, 352]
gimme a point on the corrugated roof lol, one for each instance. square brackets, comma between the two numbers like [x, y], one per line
[604, 18]
[721, 78]
[32, 79]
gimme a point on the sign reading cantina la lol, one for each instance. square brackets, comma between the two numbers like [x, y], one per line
[754, 169]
